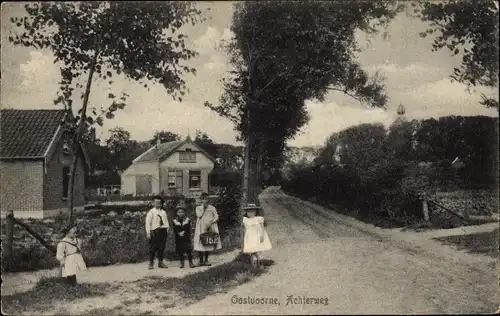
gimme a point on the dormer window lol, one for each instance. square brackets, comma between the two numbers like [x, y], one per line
[187, 156]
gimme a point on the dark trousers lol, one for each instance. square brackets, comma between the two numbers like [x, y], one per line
[189, 256]
[157, 244]
[71, 279]
[203, 256]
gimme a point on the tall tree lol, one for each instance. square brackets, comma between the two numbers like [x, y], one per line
[118, 143]
[469, 27]
[401, 139]
[164, 137]
[206, 143]
[98, 40]
[202, 137]
[284, 53]
[362, 146]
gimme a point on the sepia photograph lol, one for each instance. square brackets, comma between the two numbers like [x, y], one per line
[249, 157]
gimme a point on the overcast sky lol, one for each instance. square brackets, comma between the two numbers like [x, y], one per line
[416, 77]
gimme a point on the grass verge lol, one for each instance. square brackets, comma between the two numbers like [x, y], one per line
[48, 291]
[219, 279]
[142, 297]
[483, 243]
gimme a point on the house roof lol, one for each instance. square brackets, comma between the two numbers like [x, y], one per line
[163, 150]
[158, 151]
[28, 133]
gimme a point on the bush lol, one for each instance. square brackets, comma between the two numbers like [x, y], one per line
[111, 234]
[228, 207]
[376, 192]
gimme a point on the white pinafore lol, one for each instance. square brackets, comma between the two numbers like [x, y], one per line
[68, 253]
[253, 230]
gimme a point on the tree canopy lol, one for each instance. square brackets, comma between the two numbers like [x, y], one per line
[164, 136]
[470, 28]
[139, 40]
[284, 53]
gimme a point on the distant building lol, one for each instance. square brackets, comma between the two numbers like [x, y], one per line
[178, 167]
[35, 164]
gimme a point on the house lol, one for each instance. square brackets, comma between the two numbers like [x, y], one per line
[35, 164]
[178, 167]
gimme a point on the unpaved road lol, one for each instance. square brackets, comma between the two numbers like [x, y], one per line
[318, 254]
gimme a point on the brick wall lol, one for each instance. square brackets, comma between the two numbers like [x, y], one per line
[53, 183]
[21, 185]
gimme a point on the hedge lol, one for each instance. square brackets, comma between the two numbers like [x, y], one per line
[111, 234]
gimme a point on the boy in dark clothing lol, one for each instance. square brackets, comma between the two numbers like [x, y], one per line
[182, 232]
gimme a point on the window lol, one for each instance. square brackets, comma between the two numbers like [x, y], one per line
[65, 185]
[187, 156]
[194, 179]
[66, 149]
[171, 179]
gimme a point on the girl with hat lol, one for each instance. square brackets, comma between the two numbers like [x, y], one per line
[182, 232]
[256, 239]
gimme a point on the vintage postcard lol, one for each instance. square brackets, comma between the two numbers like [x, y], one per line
[249, 157]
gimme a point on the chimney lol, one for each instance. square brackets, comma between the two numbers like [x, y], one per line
[158, 142]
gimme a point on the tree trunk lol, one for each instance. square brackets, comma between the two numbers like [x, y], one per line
[71, 184]
[9, 231]
[78, 136]
[252, 176]
[246, 160]
[258, 169]
[252, 172]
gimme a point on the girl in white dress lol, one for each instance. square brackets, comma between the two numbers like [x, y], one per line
[256, 239]
[69, 255]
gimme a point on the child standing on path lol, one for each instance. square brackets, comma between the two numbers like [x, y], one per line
[206, 220]
[69, 255]
[182, 231]
[156, 232]
[256, 239]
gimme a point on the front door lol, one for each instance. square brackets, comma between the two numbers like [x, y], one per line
[143, 185]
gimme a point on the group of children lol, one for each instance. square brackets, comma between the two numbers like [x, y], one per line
[256, 239]
[157, 227]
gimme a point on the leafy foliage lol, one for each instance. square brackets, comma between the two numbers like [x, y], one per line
[106, 39]
[127, 39]
[380, 174]
[116, 153]
[469, 28]
[284, 53]
[164, 137]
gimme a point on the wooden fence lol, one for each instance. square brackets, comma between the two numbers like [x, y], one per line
[426, 200]
[9, 239]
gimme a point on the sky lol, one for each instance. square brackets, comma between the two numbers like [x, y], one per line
[415, 76]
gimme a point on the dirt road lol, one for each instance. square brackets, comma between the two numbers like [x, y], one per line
[347, 267]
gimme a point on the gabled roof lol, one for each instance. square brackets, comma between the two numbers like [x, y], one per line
[27, 133]
[30, 134]
[164, 150]
[158, 151]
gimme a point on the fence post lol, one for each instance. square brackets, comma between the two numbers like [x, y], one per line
[425, 207]
[10, 233]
